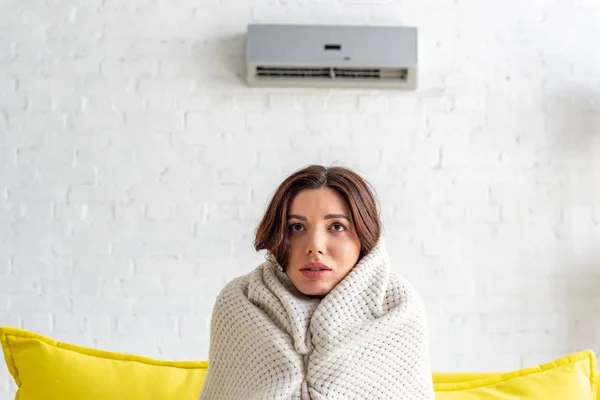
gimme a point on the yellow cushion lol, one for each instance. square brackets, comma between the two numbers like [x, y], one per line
[46, 369]
[572, 377]
[454, 377]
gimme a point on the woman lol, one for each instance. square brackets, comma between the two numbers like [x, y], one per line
[323, 317]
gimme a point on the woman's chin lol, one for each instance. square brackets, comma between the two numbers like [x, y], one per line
[311, 287]
[314, 291]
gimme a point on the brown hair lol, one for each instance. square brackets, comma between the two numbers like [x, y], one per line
[272, 233]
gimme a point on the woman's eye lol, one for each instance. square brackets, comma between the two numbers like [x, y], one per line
[295, 227]
[338, 227]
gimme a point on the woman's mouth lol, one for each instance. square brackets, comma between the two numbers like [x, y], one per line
[314, 270]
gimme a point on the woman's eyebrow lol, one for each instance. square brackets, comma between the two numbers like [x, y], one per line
[328, 216]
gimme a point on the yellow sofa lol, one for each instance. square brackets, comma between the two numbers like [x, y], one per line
[44, 368]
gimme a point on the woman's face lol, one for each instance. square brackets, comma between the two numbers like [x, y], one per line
[320, 231]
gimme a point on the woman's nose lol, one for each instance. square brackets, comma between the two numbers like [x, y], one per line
[315, 245]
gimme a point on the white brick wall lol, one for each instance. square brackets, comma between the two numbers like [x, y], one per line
[135, 165]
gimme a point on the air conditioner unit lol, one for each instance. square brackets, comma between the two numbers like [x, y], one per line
[331, 56]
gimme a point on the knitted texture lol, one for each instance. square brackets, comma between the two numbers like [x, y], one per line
[367, 339]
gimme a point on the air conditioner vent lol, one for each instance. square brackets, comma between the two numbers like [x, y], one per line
[264, 72]
[292, 72]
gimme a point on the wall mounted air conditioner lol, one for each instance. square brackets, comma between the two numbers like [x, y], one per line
[331, 56]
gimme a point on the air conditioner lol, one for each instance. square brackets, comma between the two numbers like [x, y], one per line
[331, 56]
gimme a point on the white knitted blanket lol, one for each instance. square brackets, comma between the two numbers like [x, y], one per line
[367, 339]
